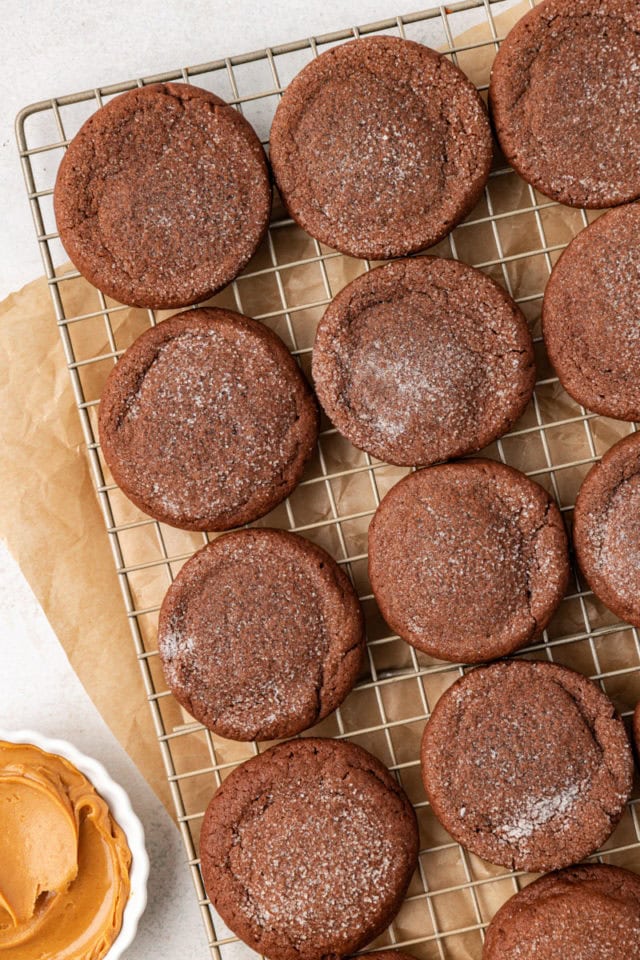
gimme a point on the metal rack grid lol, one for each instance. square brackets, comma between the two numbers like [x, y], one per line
[454, 894]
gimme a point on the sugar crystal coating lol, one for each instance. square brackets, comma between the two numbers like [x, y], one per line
[380, 147]
[307, 850]
[163, 196]
[261, 635]
[565, 99]
[469, 560]
[591, 315]
[589, 912]
[206, 421]
[606, 528]
[527, 764]
[423, 360]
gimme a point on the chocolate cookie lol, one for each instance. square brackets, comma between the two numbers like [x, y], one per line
[423, 360]
[163, 196]
[590, 912]
[380, 147]
[206, 422]
[636, 729]
[590, 315]
[606, 529]
[469, 560]
[261, 635]
[565, 99]
[526, 764]
[307, 850]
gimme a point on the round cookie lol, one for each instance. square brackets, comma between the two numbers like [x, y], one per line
[261, 635]
[636, 729]
[606, 528]
[590, 315]
[380, 147]
[589, 912]
[423, 360]
[468, 560]
[163, 196]
[527, 764]
[565, 100]
[307, 850]
[206, 422]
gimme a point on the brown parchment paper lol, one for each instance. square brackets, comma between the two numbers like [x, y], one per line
[51, 520]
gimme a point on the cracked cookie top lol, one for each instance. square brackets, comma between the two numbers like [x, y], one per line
[307, 850]
[590, 315]
[468, 560]
[423, 360]
[606, 528]
[206, 421]
[380, 147]
[261, 635]
[565, 100]
[163, 196]
[590, 912]
[527, 764]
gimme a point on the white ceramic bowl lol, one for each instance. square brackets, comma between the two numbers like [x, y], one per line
[121, 808]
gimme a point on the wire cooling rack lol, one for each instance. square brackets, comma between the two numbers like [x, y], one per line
[515, 235]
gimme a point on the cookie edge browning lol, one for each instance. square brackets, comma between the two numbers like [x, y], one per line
[279, 138]
[552, 512]
[352, 638]
[581, 392]
[214, 825]
[447, 821]
[85, 268]
[340, 306]
[165, 331]
[500, 119]
[594, 488]
[509, 913]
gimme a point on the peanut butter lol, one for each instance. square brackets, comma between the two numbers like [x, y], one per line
[64, 861]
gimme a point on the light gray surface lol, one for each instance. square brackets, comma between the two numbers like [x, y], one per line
[52, 49]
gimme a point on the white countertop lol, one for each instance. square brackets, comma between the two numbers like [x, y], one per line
[52, 48]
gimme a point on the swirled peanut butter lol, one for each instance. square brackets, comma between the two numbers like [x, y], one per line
[64, 861]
